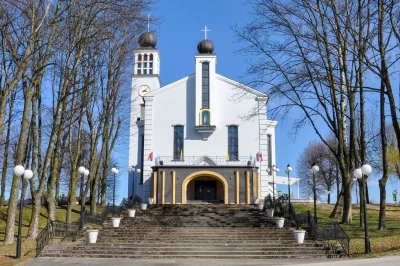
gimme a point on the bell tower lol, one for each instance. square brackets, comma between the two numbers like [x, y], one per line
[145, 79]
[205, 87]
[147, 62]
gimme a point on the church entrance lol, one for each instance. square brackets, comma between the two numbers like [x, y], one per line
[205, 190]
[204, 187]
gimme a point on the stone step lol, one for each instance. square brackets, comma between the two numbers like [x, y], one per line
[281, 245]
[194, 231]
[191, 252]
[206, 231]
[198, 256]
[202, 236]
[177, 240]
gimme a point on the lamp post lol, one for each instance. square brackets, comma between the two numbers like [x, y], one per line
[273, 171]
[363, 172]
[287, 171]
[27, 174]
[115, 171]
[315, 169]
[81, 171]
[133, 169]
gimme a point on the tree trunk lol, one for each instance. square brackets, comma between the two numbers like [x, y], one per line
[367, 191]
[337, 211]
[16, 182]
[347, 204]
[6, 149]
[34, 224]
[71, 193]
[385, 84]
[104, 190]
[382, 205]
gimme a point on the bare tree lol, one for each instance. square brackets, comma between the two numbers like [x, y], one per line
[327, 177]
[304, 53]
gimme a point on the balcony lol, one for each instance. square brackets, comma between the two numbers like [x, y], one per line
[205, 131]
[204, 160]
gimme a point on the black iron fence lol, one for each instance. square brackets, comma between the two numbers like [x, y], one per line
[54, 230]
[61, 230]
[322, 232]
[333, 231]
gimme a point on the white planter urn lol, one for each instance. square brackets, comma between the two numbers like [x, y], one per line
[270, 213]
[115, 221]
[143, 206]
[299, 236]
[131, 213]
[151, 200]
[91, 235]
[260, 206]
[279, 222]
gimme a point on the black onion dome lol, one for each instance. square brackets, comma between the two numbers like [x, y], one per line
[205, 47]
[147, 39]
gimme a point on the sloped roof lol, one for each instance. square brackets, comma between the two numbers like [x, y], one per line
[229, 81]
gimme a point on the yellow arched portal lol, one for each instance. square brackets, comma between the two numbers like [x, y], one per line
[204, 173]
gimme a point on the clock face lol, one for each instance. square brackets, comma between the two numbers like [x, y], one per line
[143, 90]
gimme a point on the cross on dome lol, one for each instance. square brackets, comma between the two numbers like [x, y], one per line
[148, 22]
[205, 32]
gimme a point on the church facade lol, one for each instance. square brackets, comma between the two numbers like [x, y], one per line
[204, 137]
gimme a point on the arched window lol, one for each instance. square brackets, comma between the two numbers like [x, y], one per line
[178, 143]
[205, 118]
[233, 143]
[145, 64]
[205, 85]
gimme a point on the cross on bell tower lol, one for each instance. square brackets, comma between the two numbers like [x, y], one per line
[205, 32]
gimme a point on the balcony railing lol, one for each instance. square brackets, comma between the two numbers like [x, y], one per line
[204, 160]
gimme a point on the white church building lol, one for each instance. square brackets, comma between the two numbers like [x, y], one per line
[204, 137]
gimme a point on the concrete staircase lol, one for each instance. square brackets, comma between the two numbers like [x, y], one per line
[194, 231]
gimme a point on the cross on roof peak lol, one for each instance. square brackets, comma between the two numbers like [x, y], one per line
[205, 32]
[148, 22]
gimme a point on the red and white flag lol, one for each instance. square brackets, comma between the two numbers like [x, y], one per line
[260, 158]
[150, 156]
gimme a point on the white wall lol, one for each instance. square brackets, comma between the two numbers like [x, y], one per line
[175, 104]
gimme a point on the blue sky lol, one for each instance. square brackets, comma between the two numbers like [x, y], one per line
[178, 34]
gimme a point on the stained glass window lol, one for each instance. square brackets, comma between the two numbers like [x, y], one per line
[178, 143]
[233, 143]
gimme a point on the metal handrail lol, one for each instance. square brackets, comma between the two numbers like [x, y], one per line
[44, 237]
[328, 231]
[196, 160]
[333, 231]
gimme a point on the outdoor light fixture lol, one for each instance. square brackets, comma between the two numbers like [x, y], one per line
[314, 169]
[115, 171]
[81, 171]
[273, 170]
[133, 169]
[287, 171]
[363, 173]
[27, 174]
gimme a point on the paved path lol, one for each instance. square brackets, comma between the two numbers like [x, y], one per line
[387, 261]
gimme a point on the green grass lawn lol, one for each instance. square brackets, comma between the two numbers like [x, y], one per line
[7, 252]
[382, 242]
